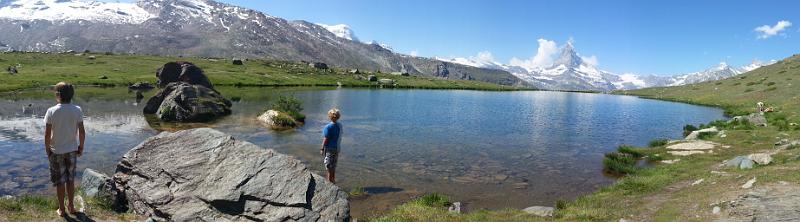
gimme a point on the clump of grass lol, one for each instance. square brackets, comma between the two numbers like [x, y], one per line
[770, 83]
[687, 129]
[357, 192]
[655, 158]
[748, 90]
[778, 120]
[705, 135]
[284, 120]
[635, 153]
[621, 163]
[433, 200]
[771, 88]
[290, 105]
[658, 142]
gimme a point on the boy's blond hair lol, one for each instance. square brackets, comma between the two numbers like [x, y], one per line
[65, 91]
[334, 114]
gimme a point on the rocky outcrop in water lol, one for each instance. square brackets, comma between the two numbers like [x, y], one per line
[182, 72]
[206, 175]
[277, 120]
[188, 95]
[183, 102]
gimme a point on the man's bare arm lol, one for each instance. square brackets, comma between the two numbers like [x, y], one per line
[81, 137]
[322, 150]
[48, 132]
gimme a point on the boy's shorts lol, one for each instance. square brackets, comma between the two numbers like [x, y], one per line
[330, 160]
[62, 167]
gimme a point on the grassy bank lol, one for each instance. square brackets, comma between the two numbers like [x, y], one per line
[43, 208]
[43, 70]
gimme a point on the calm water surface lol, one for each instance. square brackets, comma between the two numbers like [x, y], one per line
[487, 149]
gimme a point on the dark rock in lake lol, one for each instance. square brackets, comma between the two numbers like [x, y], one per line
[206, 175]
[238, 62]
[184, 102]
[318, 65]
[182, 72]
[141, 86]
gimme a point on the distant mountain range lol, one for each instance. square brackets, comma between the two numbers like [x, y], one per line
[207, 28]
[570, 72]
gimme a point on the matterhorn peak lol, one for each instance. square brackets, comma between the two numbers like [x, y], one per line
[568, 57]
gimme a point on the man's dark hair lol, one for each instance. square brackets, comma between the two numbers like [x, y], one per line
[65, 91]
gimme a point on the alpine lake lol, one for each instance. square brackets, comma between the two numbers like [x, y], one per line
[485, 149]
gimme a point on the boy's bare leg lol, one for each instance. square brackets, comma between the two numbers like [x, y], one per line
[60, 194]
[71, 196]
[332, 175]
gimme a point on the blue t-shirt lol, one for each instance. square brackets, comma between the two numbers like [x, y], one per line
[332, 132]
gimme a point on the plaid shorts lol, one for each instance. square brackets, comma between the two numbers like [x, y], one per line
[62, 167]
[330, 160]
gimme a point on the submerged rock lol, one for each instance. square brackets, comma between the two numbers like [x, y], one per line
[183, 102]
[141, 86]
[206, 175]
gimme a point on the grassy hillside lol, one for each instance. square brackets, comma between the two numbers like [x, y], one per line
[40, 70]
[777, 85]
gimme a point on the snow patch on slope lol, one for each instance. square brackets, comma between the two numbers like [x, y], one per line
[341, 31]
[67, 10]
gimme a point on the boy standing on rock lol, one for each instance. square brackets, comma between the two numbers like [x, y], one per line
[332, 137]
[64, 138]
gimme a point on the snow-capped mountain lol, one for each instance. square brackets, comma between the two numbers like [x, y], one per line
[341, 31]
[209, 29]
[117, 13]
[570, 72]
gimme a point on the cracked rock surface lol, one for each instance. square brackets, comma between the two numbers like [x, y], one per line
[206, 175]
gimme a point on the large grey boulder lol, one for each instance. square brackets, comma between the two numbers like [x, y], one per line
[206, 175]
[184, 102]
[757, 119]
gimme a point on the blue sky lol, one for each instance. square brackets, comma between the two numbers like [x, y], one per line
[643, 37]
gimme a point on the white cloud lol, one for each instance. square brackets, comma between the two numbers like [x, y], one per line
[543, 58]
[591, 60]
[769, 31]
[414, 53]
[483, 57]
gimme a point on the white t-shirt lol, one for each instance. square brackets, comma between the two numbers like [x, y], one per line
[64, 118]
